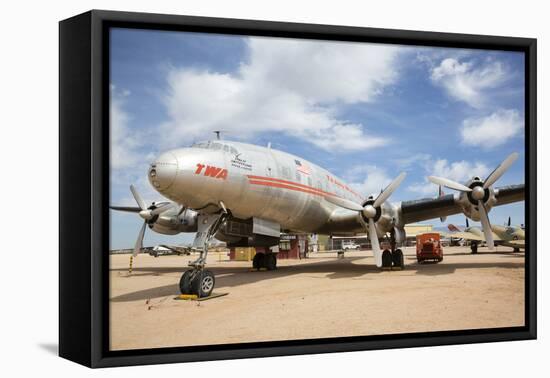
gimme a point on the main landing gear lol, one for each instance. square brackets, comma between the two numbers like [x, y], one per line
[393, 258]
[198, 280]
[266, 261]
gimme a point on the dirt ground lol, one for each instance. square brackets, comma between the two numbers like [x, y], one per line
[314, 298]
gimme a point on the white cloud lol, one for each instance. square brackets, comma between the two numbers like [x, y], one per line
[492, 130]
[464, 81]
[460, 171]
[123, 141]
[291, 86]
[368, 179]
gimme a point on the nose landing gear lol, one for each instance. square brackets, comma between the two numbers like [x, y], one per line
[198, 280]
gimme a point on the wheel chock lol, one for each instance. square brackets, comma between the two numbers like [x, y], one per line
[195, 297]
[187, 297]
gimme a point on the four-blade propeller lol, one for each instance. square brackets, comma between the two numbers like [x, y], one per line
[148, 214]
[478, 193]
[371, 212]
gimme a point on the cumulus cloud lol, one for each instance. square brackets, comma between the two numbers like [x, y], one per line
[468, 82]
[460, 171]
[368, 179]
[123, 141]
[290, 86]
[492, 130]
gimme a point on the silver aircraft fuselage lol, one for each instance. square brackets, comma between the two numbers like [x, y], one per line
[254, 181]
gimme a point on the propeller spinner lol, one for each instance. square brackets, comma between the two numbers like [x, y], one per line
[149, 214]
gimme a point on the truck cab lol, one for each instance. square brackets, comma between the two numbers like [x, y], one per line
[428, 247]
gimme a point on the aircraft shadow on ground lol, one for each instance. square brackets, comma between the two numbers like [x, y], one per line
[227, 277]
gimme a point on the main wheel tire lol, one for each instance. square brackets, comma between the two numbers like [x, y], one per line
[270, 261]
[258, 261]
[203, 284]
[386, 259]
[185, 282]
[398, 260]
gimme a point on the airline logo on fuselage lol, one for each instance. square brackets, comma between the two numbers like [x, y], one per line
[211, 171]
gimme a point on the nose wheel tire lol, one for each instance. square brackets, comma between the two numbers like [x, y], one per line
[203, 283]
[185, 282]
[200, 283]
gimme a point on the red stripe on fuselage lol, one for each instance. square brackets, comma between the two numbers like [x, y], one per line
[294, 184]
[283, 186]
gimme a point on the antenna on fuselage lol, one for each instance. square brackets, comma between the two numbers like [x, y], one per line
[217, 132]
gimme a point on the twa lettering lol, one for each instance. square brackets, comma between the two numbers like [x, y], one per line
[211, 171]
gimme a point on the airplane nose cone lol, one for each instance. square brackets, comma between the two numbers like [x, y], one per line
[163, 170]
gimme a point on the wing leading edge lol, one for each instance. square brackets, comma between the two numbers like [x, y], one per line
[430, 208]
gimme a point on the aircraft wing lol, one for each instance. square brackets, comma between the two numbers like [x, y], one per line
[518, 243]
[177, 249]
[430, 208]
[470, 236]
[465, 235]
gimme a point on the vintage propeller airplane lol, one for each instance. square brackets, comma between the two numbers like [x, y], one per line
[246, 195]
[508, 236]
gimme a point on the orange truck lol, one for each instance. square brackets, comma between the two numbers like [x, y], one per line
[428, 247]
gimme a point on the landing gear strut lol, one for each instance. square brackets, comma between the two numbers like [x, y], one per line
[198, 280]
[393, 259]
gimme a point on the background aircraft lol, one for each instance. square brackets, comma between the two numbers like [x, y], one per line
[509, 236]
[246, 195]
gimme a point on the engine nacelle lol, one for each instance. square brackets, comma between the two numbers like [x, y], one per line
[170, 223]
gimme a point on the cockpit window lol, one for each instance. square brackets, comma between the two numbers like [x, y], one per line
[200, 145]
[216, 146]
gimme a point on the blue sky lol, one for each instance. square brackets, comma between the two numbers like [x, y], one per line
[365, 112]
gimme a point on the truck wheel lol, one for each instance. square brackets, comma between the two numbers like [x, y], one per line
[386, 259]
[398, 260]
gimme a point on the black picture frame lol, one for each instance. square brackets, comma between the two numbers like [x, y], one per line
[84, 187]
